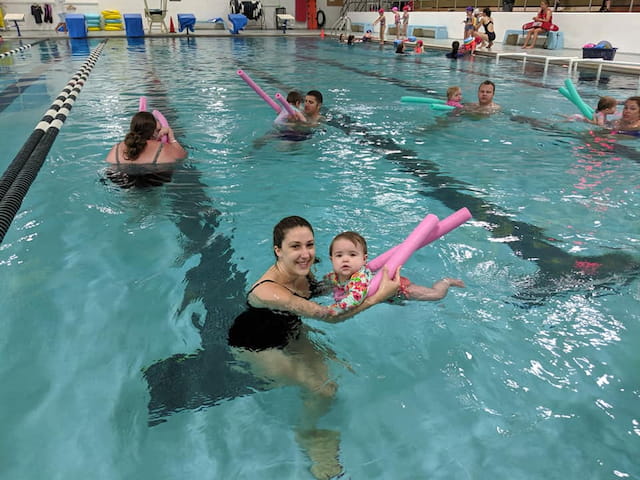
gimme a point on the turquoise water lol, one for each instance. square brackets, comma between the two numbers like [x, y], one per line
[116, 302]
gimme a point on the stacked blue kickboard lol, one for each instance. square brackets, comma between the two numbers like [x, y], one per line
[133, 25]
[237, 20]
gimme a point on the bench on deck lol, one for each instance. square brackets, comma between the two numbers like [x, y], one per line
[15, 18]
[548, 40]
[428, 31]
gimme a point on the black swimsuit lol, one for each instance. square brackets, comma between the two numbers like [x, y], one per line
[261, 328]
[127, 175]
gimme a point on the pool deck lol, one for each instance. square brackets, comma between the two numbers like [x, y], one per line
[628, 63]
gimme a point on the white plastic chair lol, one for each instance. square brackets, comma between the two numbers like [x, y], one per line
[156, 16]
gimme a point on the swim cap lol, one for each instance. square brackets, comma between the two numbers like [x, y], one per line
[406, 8]
[394, 9]
[381, 10]
[469, 9]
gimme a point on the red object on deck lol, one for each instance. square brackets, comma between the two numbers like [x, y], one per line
[301, 11]
[172, 29]
[312, 12]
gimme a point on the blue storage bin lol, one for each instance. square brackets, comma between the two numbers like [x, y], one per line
[133, 24]
[76, 25]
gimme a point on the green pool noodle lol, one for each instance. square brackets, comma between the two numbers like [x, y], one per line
[441, 106]
[421, 100]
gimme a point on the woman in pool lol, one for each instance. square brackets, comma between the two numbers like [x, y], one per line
[629, 123]
[142, 143]
[142, 160]
[271, 338]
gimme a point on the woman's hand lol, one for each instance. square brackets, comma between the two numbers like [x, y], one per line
[388, 287]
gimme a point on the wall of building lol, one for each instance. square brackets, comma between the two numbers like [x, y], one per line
[202, 9]
[579, 28]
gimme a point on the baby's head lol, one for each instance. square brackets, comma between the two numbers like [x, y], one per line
[607, 105]
[294, 97]
[348, 253]
[453, 92]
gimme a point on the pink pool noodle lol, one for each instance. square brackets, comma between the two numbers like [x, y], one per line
[444, 226]
[286, 105]
[163, 122]
[403, 251]
[143, 104]
[259, 91]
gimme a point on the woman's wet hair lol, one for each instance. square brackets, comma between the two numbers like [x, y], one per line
[454, 48]
[286, 224]
[142, 128]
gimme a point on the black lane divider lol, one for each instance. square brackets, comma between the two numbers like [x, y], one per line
[19, 49]
[24, 168]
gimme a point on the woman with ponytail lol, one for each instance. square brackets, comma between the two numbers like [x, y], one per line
[136, 158]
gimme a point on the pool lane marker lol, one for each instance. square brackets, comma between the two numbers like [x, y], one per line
[24, 168]
[15, 50]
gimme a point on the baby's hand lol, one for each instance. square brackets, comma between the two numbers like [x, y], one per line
[455, 282]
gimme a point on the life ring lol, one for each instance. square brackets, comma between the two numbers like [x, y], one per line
[548, 26]
[427, 231]
[320, 14]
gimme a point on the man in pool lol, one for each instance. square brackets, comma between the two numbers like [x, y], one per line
[312, 105]
[485, 104]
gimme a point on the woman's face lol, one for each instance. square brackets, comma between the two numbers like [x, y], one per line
[631, 112]
[298, 251]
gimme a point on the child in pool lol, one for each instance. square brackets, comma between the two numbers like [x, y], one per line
[454, 97]
[294, 98]
[350, 277]
[606, 106]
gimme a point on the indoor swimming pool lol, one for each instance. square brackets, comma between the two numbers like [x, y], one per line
[116, 302]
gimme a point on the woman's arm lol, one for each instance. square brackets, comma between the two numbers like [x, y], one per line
[173, 144]
[273, 296]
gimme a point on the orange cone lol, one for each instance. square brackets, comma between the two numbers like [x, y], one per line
[172, 29]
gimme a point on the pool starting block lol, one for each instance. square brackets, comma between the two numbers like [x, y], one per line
[15, 18]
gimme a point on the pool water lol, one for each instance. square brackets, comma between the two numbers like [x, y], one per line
[116, 301]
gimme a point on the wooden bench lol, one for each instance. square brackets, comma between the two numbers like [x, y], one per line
[548, 40]
[428, 31]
